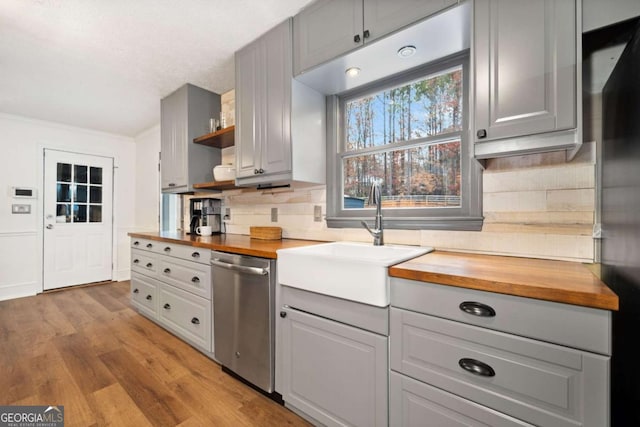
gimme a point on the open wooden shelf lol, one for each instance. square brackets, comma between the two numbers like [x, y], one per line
[219, 139]
[216, 185]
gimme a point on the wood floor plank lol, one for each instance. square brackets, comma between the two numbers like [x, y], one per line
[109, 300]
[89, 372]
[153, 398]
[114, 407]
[55, 386]
[108, 365]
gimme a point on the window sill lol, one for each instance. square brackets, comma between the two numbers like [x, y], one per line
[416, 223]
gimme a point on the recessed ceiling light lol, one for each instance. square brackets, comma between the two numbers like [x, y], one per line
[352, 71]
[406, 51]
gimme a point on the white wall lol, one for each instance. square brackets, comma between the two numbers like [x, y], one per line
[147, 176]
[22, 141]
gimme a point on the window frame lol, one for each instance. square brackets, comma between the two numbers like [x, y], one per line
[466, 217]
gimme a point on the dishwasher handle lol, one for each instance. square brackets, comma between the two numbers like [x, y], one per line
[240, 268]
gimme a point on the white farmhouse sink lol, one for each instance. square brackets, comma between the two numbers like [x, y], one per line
[353, 271]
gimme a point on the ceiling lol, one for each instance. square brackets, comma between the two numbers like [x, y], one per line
[105, 64]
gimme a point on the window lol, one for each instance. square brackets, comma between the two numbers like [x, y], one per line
[408, 133]
[73, 185]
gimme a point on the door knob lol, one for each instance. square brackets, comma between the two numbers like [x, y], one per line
[49, 226]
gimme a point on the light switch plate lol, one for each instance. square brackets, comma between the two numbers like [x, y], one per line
[20, 209]
[274, 214]
[317, 213]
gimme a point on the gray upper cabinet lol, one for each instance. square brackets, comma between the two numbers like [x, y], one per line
[279, 122]
[525, 70]
[328, 29]
[185, 115]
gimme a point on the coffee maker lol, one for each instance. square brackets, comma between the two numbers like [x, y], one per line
[205, 211]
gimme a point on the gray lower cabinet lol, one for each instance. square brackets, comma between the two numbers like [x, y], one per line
[327, 29]
[171, 285]
[490, 355]
[334, 373]
[525, 76]
[184, 115]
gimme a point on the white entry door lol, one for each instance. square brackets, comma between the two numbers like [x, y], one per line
[78, 228]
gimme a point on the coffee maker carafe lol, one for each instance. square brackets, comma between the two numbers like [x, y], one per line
[205, 211]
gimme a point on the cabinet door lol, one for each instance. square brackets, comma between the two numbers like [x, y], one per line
[276, 145]
[250, 107]
[325, 30]
[335, 373]
[382, 17]
[173, 137]
[144, 295]
[525, 67]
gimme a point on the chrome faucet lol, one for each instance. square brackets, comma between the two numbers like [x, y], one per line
[375, 196]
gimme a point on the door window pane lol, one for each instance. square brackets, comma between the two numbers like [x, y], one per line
[95, 213]
[80, 194]
[63, 193]
[63, 213]
[95, 175]
[64, 172]
[80, 173]
[79, 213]
[95, 195]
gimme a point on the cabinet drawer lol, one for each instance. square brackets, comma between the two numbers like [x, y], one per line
[144, 262]
[187, 275]
[570, 325]
[144, 295]
[185, 252]
[412, 402]
[537, 382]
[188, 315]
[143, 244]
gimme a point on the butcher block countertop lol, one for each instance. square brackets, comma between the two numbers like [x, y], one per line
[235, 243]
[558, 281]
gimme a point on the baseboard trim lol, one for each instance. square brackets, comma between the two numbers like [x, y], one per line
[19, 290]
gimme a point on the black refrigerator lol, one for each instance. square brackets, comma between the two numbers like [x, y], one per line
[621, 227]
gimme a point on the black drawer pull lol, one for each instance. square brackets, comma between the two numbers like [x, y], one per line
[149, 297]
[195, 279]
[149, 245]
[195, 321]
[476, 367]
[196, 254]
[167, 249]
[167, 270]
[136, 243]
[136, 261]
[135, 291]
[356, 38]
[366, 34]
[477, 309]
[167, 306]
[149, 265]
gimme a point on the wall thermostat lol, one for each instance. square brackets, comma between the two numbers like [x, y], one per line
[23, 193]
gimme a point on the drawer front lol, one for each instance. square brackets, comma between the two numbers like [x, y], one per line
[144, 262]
[411, 403]
[570, 325]
[143, 244]
[185, 252]
[187, 275]
[187, 315]
[537, 382]
[144, 295]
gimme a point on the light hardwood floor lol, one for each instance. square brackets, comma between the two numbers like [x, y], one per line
[87, 349]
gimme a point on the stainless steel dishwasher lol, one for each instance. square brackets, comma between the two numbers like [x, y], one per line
[243, 313]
